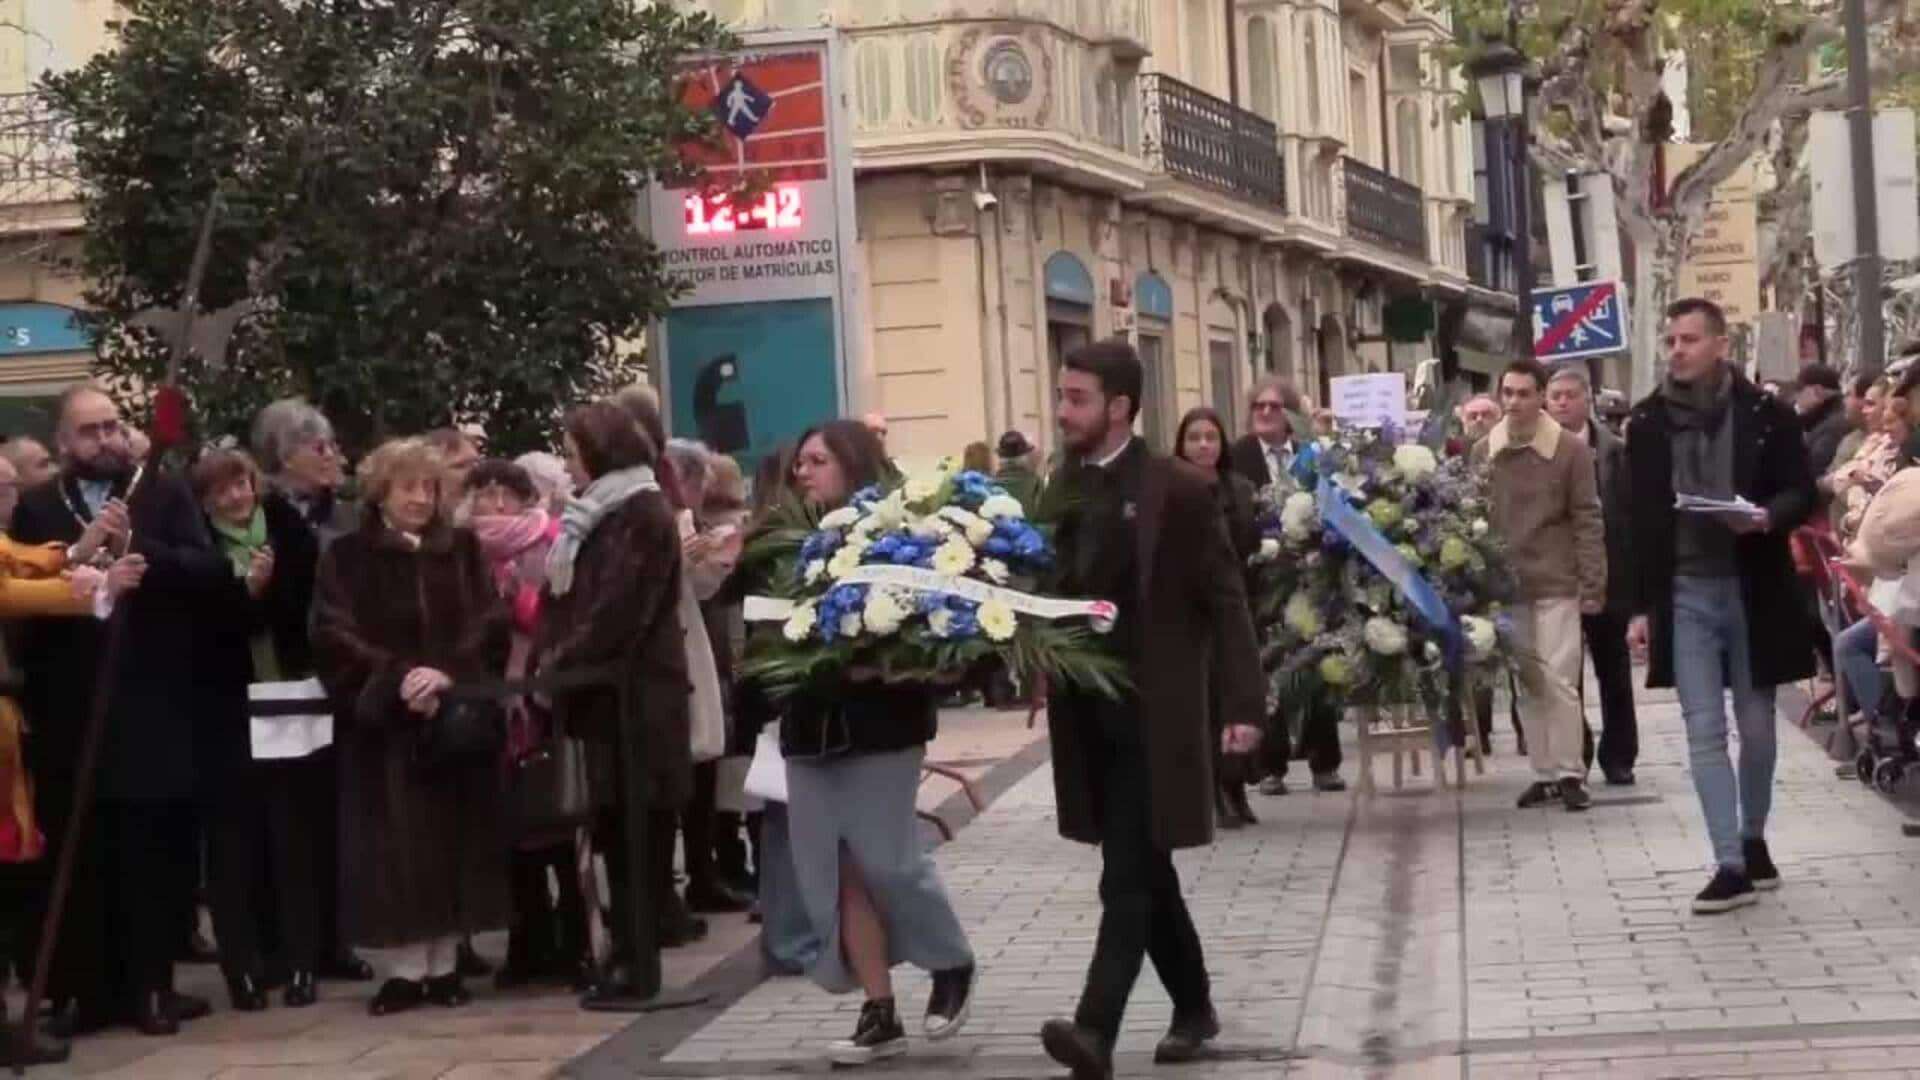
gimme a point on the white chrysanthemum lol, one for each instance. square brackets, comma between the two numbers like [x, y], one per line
[1269, 551]
[977, 528]
[885, 611]
[814, 569]
[850, 624]
[800, 623]
[841, 518]
[940, 622]
[923, 486]
[1479, 526]
[845, 560]
[953, 557]
[1480, 636]
[930, 528]
[888, 513]
[1384, 636]
[1414, 461]
[1298, 516]
[997, 620]
[1002, 506]
[996, 571]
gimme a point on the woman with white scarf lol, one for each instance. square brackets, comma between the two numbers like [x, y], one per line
[614, 597]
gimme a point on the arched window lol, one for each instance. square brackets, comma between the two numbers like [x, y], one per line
[1261, 69]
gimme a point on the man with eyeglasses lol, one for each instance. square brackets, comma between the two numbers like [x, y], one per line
[1265, 455]
[133, 890]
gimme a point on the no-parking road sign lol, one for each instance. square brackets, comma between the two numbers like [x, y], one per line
[1587, 319]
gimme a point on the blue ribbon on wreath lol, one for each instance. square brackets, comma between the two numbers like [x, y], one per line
[1357, 529]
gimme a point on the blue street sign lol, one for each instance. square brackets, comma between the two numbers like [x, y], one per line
[1587, 319]
[741, 106]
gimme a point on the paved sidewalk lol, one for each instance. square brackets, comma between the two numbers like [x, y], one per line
[500, 1036]
[1428, 933]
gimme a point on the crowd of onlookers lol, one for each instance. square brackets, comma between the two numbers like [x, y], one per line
[358, 721]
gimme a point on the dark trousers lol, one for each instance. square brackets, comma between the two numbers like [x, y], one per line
[656, 877]
[148, 866]
[546, 935]
[1319, 739]
[697, 824]
[322, 804]
[264, 882]
[1606, 635]
[1142, 913]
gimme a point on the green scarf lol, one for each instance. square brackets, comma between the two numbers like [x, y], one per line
[240, 545]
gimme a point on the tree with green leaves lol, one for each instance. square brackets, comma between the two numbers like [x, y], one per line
[1602, 105]
[423, 212]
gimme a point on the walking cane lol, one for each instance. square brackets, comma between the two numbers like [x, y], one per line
[26, 1039]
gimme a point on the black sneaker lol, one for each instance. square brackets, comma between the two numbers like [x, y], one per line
[1729, 889]
[878, 1035]
[1760, 869]
[1573, 793]
[949, 1003]
[1540, 793]
[1618, 777]
[1328, 782]
[1187, 1039]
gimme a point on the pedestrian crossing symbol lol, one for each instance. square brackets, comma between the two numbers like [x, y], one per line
[741, 106]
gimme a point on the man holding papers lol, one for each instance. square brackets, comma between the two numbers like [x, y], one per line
[1719, 477]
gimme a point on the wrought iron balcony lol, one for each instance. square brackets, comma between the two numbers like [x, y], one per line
[36, 152]
[1196, 137]
[1384, 210]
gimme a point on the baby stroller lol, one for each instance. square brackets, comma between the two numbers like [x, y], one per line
[1887, 750]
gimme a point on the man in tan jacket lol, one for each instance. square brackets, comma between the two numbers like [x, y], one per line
[1546, 506]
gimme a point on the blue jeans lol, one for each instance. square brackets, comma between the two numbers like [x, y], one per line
[1710, 655]
[1856, 652]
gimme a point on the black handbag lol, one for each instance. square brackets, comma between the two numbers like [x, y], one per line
[552, 788]
[461, 733]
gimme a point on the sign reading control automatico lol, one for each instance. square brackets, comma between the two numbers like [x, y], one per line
[764, 223]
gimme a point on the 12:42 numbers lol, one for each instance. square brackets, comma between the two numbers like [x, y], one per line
[714, 212]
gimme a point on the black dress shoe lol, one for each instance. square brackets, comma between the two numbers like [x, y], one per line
[185, 1007]
[152, 1016]
[344, 966]
[246, 993]
[79, 1019]
[396, 996]
[1080, 1049]
[1187, 1039]
[470, 964]
[717, 898]
[46, 1049]
[682, 930]
[1237, 802]
[447, 991]
[1618, 777]
[301, 991]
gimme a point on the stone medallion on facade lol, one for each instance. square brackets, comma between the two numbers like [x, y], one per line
[1001, 75]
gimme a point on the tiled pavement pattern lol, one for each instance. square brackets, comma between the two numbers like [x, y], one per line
[1346, 940]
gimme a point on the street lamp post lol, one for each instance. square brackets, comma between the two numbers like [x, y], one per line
[1500, 73]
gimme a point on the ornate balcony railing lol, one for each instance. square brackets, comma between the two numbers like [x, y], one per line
[1384, 210]
[1196, 137]
[36, 152]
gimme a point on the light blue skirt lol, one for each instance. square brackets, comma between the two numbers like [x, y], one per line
[864, 804]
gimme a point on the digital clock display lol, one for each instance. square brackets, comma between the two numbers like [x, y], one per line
[716, 213]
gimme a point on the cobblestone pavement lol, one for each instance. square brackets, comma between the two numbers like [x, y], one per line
[1433, 933]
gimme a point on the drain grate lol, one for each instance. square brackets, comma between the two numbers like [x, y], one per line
[1628, 800]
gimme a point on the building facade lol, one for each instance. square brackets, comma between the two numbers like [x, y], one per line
[1264, 186]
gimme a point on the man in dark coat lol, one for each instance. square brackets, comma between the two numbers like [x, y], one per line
[133, 889]
[1135, 775]
[1570, 402]
[1263, 456]
[1823, 415]
[1716, 601]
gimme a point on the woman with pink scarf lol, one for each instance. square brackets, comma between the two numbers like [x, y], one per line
[515, 533]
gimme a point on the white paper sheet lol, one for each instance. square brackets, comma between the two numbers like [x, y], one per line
[280, 738]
